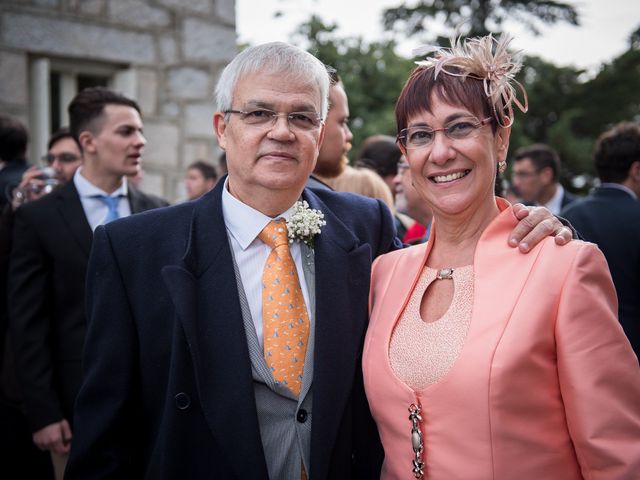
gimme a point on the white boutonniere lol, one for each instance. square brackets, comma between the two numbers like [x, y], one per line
[305, 223]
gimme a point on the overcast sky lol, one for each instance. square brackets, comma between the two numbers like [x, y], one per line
[603, 34]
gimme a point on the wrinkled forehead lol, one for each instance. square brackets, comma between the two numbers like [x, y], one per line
[457, 98]
[268, 86]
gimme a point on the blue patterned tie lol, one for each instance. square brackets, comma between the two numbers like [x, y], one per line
[112, 205]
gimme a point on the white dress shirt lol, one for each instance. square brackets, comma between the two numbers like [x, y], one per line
[243, 225]
[95, 209]
[555, 204]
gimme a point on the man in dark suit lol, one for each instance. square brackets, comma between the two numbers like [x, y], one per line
[52, 241]
[180, 380]
[610, 217]
[536, 178]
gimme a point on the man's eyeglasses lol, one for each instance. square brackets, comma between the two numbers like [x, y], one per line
[63, 157]
[402, 167]
[422, 136]
[267, 118]
[524, 174]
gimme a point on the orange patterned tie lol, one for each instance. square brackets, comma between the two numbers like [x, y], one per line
[284, 313]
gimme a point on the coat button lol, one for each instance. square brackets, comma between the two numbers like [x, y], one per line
[302, 415]
[183, 401]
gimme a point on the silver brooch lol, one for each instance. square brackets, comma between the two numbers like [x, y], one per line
[416, 440]
[445, 274]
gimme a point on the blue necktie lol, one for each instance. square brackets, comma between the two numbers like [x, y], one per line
[112, 205]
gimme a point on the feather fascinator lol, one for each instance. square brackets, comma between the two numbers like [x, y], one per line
[487, 59]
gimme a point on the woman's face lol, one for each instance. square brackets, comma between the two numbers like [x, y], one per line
[456, 175]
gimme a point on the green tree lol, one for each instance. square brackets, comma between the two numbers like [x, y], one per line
[634, 39]
[611, 96]
[552, 93]
[476, 17]
[372, 73]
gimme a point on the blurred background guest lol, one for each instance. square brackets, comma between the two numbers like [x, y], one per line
[610, 217]
[61, 161]
[19, 457]
[332, 167]
[536, 178]
[201, 176]
[381, 154]
[13, 151]
[409, 202]
[51, 244]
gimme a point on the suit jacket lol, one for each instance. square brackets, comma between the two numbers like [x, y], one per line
[48, 265]
[546, 385]
[168, 390]
[611, 218]
[567, 199]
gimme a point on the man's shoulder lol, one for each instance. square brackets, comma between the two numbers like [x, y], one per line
[368, 219]
[569, 197]
[603, 199]
[148, 200]
[45, 204]
[345, 203]
[159, 218]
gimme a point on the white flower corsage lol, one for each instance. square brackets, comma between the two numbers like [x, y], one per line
[305, 223]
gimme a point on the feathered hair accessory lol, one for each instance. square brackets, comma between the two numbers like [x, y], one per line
[486, 59]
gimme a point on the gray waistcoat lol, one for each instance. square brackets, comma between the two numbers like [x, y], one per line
[285, 421]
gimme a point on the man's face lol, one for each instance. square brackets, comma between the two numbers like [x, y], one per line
[116, 145]
[527, 180]
[408, 200]
[64, 157]
[269, 159]
[337, 136]
[196, 183]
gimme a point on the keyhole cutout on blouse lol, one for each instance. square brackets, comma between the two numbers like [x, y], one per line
[436, 300]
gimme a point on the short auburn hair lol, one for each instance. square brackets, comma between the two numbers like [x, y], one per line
[423, 85]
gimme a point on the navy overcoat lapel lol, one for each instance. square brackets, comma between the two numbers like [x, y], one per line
[342, 268]
[207, 304]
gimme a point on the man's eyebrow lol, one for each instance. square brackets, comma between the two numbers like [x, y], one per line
[300, 107]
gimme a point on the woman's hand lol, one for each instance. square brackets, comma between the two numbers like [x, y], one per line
[537, 223]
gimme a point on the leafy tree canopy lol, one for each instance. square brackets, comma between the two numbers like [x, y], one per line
[566, 110]
[476, 17]
[372, 73]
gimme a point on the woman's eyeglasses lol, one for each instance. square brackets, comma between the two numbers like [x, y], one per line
[422, 136]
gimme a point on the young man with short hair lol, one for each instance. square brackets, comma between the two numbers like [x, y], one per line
[536, 177]
[52, 241]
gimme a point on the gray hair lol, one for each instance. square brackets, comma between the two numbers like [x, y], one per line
[274, 57]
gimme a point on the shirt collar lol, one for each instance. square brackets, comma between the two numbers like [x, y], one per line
[87, 189]
[619, 186]
[242, 221]
[555, 204]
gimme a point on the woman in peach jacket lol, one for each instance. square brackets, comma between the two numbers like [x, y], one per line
[481, 362]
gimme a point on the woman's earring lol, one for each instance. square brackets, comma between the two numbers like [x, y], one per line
[502, 166]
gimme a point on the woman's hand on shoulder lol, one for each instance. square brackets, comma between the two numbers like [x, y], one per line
[535, 224]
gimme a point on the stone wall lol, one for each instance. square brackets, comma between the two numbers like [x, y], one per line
[173, 51]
